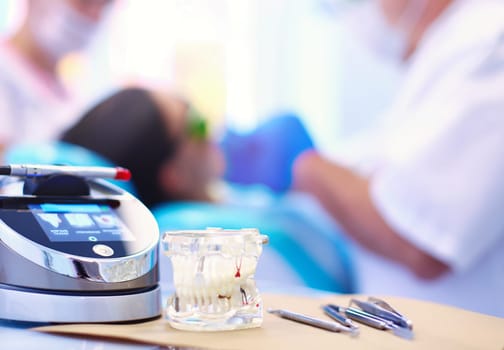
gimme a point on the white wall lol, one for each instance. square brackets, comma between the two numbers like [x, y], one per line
[240, 60]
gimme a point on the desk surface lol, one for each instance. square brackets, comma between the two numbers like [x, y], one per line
[435, 326]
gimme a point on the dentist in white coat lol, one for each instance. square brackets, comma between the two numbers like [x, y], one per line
[423, 193]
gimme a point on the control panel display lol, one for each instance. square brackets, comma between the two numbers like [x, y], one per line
[80, 222]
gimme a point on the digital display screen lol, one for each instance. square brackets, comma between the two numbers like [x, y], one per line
[80, 222]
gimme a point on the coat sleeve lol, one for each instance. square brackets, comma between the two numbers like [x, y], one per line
[448, 198]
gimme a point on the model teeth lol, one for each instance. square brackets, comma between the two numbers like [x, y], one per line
[213, 281]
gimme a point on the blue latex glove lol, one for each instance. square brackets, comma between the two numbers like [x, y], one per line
[266, 155]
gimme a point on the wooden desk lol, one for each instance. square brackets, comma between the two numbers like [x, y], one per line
[435, 326]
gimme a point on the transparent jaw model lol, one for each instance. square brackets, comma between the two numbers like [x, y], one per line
[213, 275]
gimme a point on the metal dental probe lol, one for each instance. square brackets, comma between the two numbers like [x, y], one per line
[311, 321]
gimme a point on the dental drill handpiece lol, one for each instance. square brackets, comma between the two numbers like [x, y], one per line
[335, 315]
[379, 311]
[373, 321]
[362, 317]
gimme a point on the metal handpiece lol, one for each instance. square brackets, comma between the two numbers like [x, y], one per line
[335, 315]
[332, 311]
[386, 306]
[375, 321]
[311, 321]
[379, 311]
[365, 318]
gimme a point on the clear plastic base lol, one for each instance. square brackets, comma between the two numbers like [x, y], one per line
[215, 318]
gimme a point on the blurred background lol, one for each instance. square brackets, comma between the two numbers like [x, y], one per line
[242, 63]
[239, 61]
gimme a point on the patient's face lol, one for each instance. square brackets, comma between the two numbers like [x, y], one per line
[198, 162]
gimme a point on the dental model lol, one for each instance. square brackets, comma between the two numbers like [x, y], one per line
[213, 276]
[214, 284]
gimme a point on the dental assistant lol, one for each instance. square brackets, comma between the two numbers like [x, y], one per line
[34, 104]
[423, 193]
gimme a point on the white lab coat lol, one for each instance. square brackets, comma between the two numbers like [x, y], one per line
[30, 110]
[437, 163]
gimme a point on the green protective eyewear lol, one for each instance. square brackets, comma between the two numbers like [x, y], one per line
[197, 125]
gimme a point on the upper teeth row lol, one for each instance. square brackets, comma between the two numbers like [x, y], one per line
[212, 279]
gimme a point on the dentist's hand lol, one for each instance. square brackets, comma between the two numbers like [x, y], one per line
[265, 156]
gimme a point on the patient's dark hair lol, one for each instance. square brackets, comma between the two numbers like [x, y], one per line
[128, 128]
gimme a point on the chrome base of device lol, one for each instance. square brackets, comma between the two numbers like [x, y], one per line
[35, 306]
